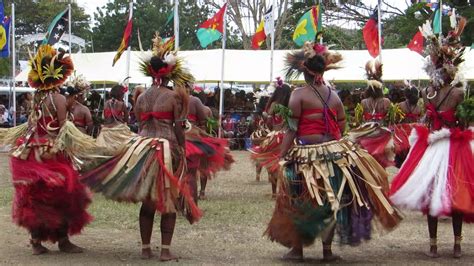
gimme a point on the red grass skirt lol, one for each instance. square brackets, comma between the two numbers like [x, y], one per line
[267, 153]
[205, 153]
[401, 133]
[438, 175]
[379, 144]
[49, 199]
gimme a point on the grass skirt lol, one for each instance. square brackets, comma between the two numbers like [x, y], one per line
[401, 134]
[267, 153]
[148, 169]
[377, 140]
[323, 185]
[114, 137]
[205, 153]
[49, 200]
[437, 177]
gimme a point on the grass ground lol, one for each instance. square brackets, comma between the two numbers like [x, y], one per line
[235, 217]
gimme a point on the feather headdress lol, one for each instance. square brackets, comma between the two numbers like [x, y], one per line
[295, 61]
[445, 55]
[174, 69]
[49, 68]
[373, 70]
[79, 82]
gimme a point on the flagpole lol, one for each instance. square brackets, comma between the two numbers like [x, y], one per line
[273, 40]
[380, 29]
[440, 19]
[176, 24]
[129, 51]
[221, 92]
[13, 64]
[70, 29]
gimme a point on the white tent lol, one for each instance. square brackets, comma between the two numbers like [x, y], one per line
[248, 66]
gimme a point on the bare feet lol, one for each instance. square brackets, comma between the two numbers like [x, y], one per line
[457, 254]
[38, 248]
[66, 246]
[329, 257]
[257, 178]
[433, 253]
[295, 254]
[146, 253]
[202, 195]
[167, 256]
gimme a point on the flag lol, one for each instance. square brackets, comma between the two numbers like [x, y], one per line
[308, 26]
[264, 29]
[417, 43]
[370, 33]
[139, 40]
[125, 41]
[167, 30]
[437, 21]
[57, 28]
[4, 33]
[212, 29]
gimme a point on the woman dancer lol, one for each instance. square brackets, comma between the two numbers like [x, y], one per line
[266, 154]
[150, 167]
[410, 114]
[49, 200]
[205, 154]
[373, 113]
[80, 114]
[328, 182]
[115, 132]
[437, 177]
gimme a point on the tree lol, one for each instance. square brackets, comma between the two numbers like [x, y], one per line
[148, 16]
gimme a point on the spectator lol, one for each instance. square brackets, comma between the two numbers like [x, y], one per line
[228, 126]
[242, 132]
[3, 116]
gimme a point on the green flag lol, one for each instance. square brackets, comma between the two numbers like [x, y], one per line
[170, 18]
[437, 21]
[308, 26]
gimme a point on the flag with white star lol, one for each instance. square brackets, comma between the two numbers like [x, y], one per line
[57, 28]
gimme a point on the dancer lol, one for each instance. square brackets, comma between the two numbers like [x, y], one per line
[151, 166]
[437, 177]
[257, 137]
[373, 112]
[328, 182]
[266, 154]
[410, 115]
[205, 154]
[115, 131]
[80, 114]
[49, 200]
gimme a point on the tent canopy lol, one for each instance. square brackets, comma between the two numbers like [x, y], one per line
[249, 66]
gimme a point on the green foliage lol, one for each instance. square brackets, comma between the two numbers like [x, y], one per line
[465, 111]
[148, 16]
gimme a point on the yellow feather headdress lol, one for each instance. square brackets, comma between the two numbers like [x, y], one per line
[174, 70]
[49, 68]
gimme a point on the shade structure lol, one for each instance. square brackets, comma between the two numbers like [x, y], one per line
[250, 66]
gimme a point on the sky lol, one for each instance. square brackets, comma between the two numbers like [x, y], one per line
[91, 5]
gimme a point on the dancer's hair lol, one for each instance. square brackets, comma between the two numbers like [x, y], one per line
[281, 95]
[117, 92]
[412, 95]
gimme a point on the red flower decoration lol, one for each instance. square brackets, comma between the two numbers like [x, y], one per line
[320, 49]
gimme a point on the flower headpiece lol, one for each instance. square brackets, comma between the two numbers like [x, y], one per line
[373, 70]
[49, 68]
[174, 69]
[296, 61]
[445, 55]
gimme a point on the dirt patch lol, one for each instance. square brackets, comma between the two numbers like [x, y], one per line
[235, 217]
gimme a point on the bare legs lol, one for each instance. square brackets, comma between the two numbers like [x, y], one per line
[258, 170]
[38, 248]
[202, 193]
[457, 231]
[167, 224]
[273, 181]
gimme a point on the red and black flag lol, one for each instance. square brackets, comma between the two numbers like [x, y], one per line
[417, 44]
[371, 34]
[125, 41]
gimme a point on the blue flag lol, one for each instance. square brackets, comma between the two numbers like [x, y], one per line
[4, 33]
